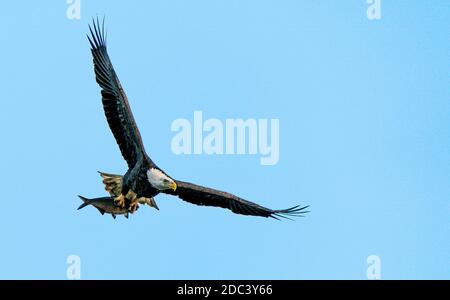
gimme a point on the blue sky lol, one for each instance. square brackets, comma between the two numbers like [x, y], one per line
[364, 120]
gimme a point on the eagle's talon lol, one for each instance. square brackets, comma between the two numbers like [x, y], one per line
[120, 201]
[133, 206]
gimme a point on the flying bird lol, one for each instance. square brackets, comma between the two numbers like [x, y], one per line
[144, 179]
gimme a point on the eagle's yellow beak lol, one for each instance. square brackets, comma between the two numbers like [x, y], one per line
[173, 186]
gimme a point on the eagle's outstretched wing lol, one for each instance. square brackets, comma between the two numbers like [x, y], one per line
[115, 102]
[200, 195]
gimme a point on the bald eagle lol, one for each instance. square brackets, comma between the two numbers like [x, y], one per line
[144, 179]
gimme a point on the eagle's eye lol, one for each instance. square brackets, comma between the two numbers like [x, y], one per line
[165, 180]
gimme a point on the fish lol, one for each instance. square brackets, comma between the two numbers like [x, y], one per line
[105, 205]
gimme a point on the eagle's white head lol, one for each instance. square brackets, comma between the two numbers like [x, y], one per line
[160, 181]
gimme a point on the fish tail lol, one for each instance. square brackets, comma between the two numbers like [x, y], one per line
[86, 202]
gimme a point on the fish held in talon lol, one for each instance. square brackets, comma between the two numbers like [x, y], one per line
[105, 205]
